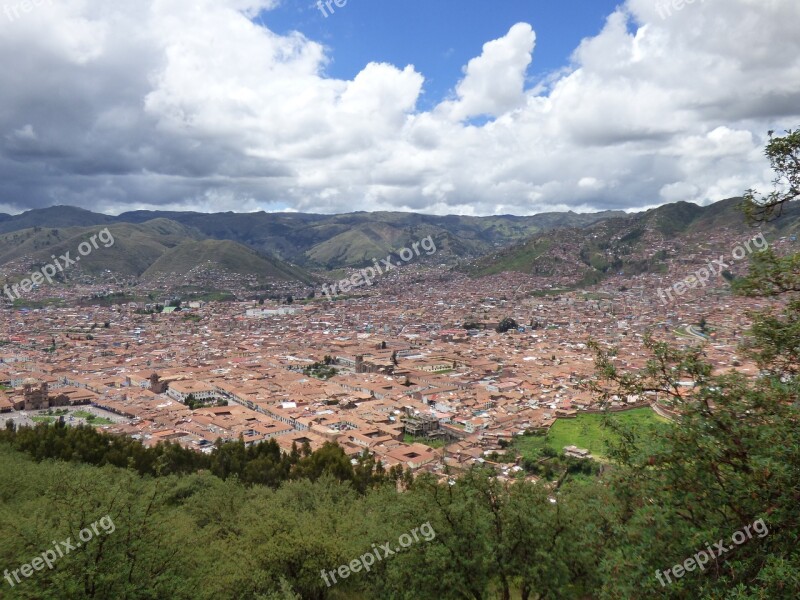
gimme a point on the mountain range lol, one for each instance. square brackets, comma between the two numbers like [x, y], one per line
[276, 245]
[299, 247]
[645, 242]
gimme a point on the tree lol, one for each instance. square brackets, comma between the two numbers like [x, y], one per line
[731, 460]
[784, 157]
[506, 324]
[329, 459]
[703, 325]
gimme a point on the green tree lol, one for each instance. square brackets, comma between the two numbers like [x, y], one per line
[731, 459]
[506, 324]
[330, 459]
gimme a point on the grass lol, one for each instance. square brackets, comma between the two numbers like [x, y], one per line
[518, 259]
[408, 439]
[91, 418]
[546, 293]
[585, 431]
[42, 419]
[20, 303]
[530, 446]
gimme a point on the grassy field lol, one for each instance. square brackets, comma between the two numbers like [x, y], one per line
[91, 418]
[432, 443]
[43, 419]
[586, 431]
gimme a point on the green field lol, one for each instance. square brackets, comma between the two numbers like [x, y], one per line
[91, 418]
[585, 431]
[408, 439]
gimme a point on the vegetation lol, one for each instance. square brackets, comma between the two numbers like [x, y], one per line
[507, 324]
[517, 258]
[261, 463]
[91, 418]
[43, 419]
[30, 304]
[591, 432]
[252, 522]
[320, 370]
[195, 403]
[223, 255]
[433, 443]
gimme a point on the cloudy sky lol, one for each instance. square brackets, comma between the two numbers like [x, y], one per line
[446, 107]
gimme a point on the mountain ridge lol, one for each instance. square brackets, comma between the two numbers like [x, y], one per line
[305, 239]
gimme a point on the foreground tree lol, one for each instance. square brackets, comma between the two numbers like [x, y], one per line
[506, 324]
[732, 458]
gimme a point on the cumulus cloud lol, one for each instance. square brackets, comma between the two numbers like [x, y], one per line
[494, 83]
[189, 104]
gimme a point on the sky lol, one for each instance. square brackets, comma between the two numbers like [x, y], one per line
[449, 107]
[437, 37]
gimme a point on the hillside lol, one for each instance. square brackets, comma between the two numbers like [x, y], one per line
[53, 216]
[332, 241]
[134, 247]
[638, 243]
[583, 248]
[225, 256]
[147, 249]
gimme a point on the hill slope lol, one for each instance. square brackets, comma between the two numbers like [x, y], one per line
[135, 250]
[638, 243]
[53, 216]
[331, 241]
[222, 255]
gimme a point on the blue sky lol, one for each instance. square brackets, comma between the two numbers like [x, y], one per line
[199, 105]
[438, 37]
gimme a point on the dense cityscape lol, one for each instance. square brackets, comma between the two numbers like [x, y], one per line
[355, 300]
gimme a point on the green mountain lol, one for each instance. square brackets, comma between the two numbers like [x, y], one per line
[222, 255]
[582, 247]
[638, 243]
[332, 241]
[147, 249]
[53, 216]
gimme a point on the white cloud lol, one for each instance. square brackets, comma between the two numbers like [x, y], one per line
[188, 104]
[494, 83]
